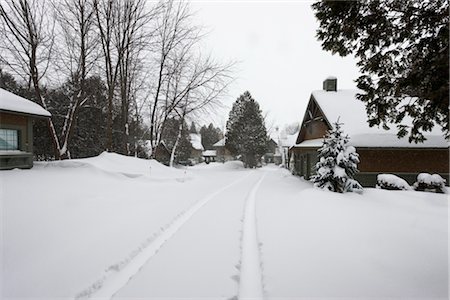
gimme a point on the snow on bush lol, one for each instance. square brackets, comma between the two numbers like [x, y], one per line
[429, 183]
[337, 163]
[391, 182]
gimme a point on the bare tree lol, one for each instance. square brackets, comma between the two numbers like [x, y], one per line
[174, 31]
[27, 47]
[78, 46]
[198, 85]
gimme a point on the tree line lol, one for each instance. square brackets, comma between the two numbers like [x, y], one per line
[112, 72]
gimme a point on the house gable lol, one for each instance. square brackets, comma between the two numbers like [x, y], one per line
[314, 124]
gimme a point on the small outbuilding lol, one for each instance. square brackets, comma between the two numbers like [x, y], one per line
[380, 150]
[209, 156]
[16, 130]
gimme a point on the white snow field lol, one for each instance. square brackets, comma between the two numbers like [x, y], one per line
[115, 227]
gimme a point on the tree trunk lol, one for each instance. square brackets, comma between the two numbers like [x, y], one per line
[172, 155]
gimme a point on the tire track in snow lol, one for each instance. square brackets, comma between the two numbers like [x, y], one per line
[250, 279]
[118, 275]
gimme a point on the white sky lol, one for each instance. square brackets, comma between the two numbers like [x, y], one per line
[280, 60]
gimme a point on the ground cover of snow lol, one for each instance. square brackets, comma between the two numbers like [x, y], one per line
[104, 228]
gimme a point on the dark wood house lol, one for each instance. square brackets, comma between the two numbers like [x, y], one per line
[222, 152]
[16, 130]
[380, 150]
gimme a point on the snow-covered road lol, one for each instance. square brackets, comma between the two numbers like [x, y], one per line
[213, 232]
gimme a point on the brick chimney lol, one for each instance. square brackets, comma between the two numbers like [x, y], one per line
[330, 84]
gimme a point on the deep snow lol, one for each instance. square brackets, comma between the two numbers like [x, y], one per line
[69, 228]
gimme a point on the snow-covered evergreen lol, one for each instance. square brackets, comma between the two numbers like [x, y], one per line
[246, 132]
[337, 163]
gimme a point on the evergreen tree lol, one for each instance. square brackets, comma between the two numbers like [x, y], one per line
[193, 129]
[210, 136]
[337, 163]
[402, 49]
[246, 132]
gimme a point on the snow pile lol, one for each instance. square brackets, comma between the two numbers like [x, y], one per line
[430, 183]
[391, 182]
[130, 166]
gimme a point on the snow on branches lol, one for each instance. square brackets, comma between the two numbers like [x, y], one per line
[337, 163]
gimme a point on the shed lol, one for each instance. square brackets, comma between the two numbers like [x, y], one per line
[380, 150]
[16, 130]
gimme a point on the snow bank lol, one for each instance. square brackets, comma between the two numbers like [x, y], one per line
[391, 182]
[378, 245]
[129, 166]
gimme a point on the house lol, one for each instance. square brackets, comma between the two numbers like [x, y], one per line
[285, 142]
[272, 154]
[223, 154]
[162, 153]
[380, 150]
[209, 156]
[197, 147]
[16, 130]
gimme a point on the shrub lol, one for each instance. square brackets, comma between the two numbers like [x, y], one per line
[391, 182]
[429, 183]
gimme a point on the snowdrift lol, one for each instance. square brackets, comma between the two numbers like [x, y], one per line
[131, 167]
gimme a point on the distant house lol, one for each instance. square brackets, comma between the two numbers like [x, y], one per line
[272, 154]
[380, 150]
[285, 142]
[209, 156]
[223, 154]
[16, 130]
[162, 153]
[197, 147]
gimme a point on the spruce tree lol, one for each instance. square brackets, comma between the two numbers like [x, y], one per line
[337, 163]
[246, 132]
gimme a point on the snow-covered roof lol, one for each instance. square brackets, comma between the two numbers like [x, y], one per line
[12, 103]
[350, 111]
[209, 153]
[220, 143]
[288, 140]
[196, 141]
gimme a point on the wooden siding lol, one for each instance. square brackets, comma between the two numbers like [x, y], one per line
[403, 160]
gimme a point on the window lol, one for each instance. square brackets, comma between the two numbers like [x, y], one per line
[9, 139]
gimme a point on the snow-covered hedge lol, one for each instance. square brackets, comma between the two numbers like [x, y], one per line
[430, 183]
[391, 182]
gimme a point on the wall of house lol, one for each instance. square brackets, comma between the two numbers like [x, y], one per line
[406, 163]
[24, 125]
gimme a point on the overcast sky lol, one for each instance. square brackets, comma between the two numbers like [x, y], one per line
[280, 60]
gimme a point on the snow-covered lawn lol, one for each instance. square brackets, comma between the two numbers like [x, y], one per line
[120, 227]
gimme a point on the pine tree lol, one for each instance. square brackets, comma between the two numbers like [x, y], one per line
[337, 163]
[193, 129]
[210, 136]
[246, 132]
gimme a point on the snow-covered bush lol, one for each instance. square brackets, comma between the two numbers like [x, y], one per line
[337, 163]
[391, 182]
[430, 183]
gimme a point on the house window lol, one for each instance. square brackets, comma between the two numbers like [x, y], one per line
[9, 139]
